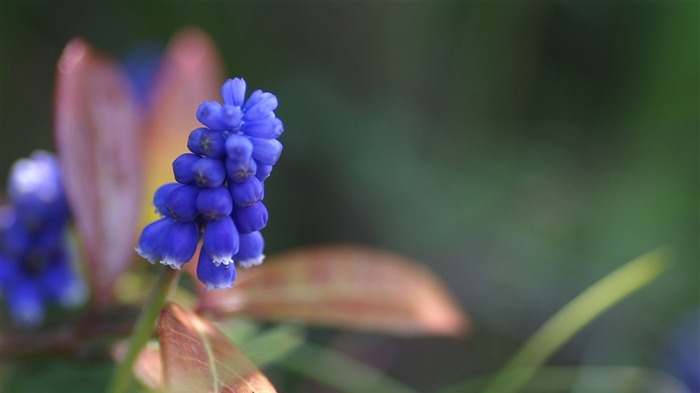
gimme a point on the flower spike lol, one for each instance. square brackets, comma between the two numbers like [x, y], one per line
[221, 186]
[36, 267]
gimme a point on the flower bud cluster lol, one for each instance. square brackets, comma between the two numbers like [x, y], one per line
[35, 260]
[219, 189]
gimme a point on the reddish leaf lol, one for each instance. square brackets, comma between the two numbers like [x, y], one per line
[98, 138]
[345, 286]
[191, 73]
[197, 357]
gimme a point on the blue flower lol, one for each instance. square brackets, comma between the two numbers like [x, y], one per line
[215, 203]
[221, 240]
[181, 203]
[179, 244]
[35, 261]
[250, 249]
[248, 192]
[682, 351]
[213, 275]
[152, 238]
[221, 188]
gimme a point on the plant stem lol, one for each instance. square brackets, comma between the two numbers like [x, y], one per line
[165, 283]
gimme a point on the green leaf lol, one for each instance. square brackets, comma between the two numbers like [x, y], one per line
[273, 344]
[48, 375]
[340, 371]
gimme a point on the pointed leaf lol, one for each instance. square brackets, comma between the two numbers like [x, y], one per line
[197, 357]
[344, 286]
[97, 135]
[190, 73]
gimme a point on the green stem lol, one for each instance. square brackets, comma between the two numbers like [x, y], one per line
[143, 330]
[575, 316]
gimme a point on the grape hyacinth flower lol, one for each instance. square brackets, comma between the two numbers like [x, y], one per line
[219, 189]
[35, 259]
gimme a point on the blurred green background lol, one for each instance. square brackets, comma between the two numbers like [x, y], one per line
[522, 151]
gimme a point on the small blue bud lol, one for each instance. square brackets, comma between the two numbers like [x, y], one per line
[221, 240]
[211, 114]
[266, 151]
[270, 127]
[182, 202]
[152, 237]
[182, 168]
[25, 304]
[250, 219]
[238, 148]
[194, 140]
[233, 92]
[214, 203]
[160, 197]
[212, 144]
[180, 244]
[263, 172]
[261, 109]
[238, 171]
[232, 116]
[209, 172]
[248, 192]
[250, 251]
[253, 99]
[215, 276]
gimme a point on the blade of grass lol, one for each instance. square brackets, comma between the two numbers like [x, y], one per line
[340, 371]
[554, 379]
[578, 313]
[273, 344]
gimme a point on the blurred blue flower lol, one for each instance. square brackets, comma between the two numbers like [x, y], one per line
[35, 260]
[141, 65]
[220, 190]
[682, 351]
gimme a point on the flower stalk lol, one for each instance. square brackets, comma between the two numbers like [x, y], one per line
[143, 330]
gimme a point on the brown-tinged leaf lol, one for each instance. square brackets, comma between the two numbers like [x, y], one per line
[197, 357]
[345, 286]
[98, 135]
[190, 73]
